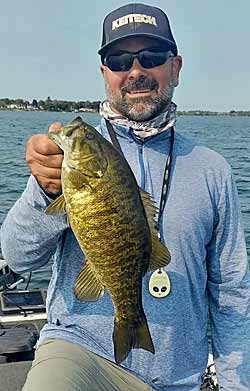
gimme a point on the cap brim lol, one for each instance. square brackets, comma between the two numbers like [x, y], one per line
[104, 48]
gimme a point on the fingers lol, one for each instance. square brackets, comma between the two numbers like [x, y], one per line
[50, 161]
[39, 170]
[41, 150]
[41, 144]
[44, 159]
[50, 186]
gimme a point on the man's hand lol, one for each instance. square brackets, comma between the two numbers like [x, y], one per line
[44, 159]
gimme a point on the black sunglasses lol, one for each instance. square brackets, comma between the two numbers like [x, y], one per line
[148, 58]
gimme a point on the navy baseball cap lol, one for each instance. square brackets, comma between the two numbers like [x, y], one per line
[135, 20]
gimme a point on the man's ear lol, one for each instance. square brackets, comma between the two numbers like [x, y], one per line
[102, 69]
[177, 65]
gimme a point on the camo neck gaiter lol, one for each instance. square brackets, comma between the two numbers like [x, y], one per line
[145, 129]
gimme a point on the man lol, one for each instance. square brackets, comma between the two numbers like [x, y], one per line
[208, 276]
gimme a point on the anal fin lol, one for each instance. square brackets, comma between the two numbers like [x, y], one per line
[160, 256]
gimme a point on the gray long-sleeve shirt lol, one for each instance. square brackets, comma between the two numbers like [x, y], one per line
[209, 272]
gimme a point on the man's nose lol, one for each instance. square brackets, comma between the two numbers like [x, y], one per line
[137, 69]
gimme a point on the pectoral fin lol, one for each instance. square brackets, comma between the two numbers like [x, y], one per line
[87, 287]
[57, 206]
[160, 255]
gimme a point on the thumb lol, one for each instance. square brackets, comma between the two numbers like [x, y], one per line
[55, 127]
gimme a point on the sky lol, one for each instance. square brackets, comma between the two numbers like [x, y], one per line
[49, 48]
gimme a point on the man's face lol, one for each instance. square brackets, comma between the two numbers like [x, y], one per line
[140, 94]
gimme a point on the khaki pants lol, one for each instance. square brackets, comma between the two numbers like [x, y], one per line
[64, 366]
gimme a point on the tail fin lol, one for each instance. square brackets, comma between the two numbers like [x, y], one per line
[127, 336]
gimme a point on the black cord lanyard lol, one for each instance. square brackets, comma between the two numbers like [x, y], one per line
[166, 180]
[167, 171]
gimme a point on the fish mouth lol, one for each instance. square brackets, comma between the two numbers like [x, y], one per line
[56, 138]
[53, 135]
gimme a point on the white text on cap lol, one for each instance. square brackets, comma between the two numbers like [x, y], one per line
[133, 18]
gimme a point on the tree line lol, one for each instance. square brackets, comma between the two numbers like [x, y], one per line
[207, 113]
[48, 104]
[65, 105]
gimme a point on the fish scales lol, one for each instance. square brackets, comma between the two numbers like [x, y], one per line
[127, 235]
[97, 210]
[107, 215]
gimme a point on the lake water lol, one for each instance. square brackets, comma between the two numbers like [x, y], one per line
[230, 136]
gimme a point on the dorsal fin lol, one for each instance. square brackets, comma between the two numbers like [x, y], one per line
[160, 255]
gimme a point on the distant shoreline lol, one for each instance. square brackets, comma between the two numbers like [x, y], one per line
[58, 105]
[51, 111]
[189, 112]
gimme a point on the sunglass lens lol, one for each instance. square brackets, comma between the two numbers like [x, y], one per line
[150, 59]
[119, 63]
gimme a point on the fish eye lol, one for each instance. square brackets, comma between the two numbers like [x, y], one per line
[89, 136]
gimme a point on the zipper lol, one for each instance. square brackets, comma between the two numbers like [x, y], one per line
[141, 162]
[140, 145]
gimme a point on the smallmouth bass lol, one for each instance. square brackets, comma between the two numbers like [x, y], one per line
[114, 223]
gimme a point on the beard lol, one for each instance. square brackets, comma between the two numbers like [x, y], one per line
[142, 108]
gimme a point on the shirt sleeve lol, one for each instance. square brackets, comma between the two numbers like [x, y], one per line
[29, 237]
[229, 293]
